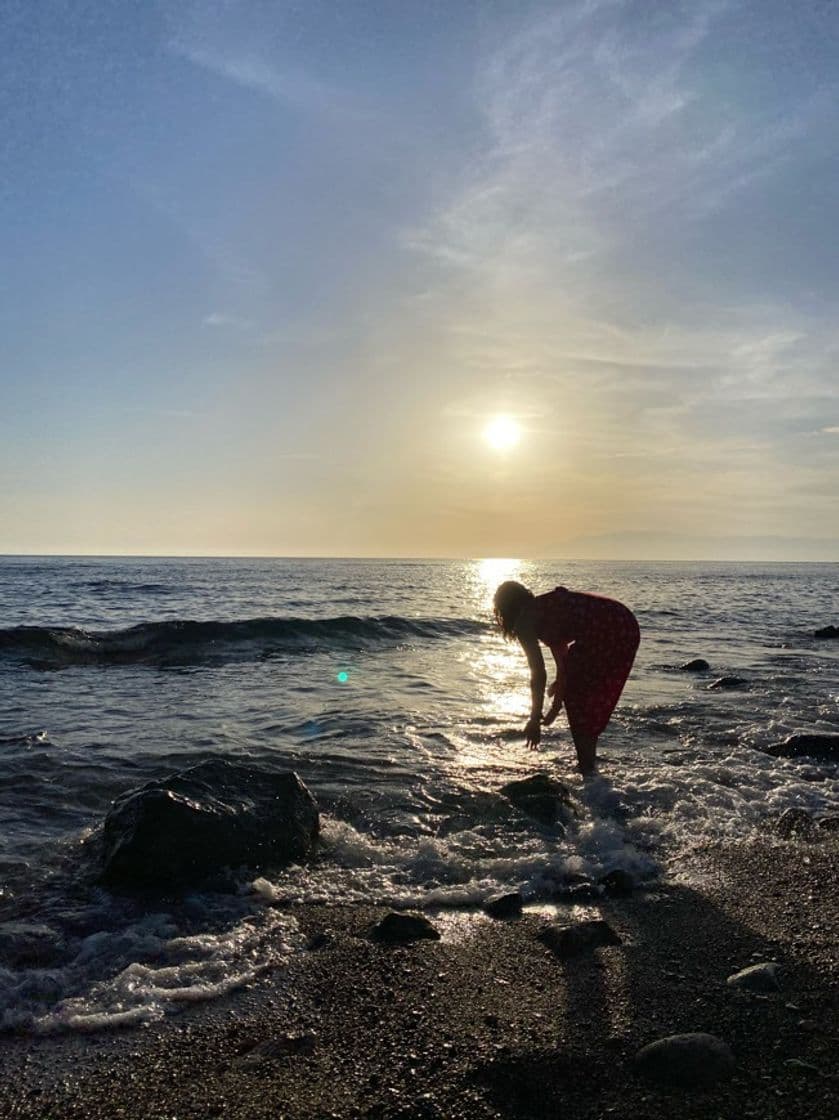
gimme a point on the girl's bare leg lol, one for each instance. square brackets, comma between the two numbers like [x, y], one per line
[586, 746]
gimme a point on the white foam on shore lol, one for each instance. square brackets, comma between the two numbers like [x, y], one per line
[157, 971]
[644, 815]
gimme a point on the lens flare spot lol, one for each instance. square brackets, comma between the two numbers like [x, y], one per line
[343, 676]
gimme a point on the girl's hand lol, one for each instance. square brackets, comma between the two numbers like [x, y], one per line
[533, 733]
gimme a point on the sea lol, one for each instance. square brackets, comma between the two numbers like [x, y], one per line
[384, 685]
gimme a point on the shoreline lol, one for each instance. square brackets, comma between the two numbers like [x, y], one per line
[487, 1023]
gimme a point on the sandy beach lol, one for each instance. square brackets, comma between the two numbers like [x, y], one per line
[487, 1022]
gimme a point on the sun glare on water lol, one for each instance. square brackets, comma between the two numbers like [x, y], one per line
[502, 433]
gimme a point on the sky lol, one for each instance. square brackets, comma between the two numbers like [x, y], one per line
[271, 268]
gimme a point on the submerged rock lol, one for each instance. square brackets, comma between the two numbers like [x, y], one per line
[540, 796]
[827, 632]
[504, 905]
[177, 830]
[813, 746]
[397, 928]
[697, 665]
[583, 937]
[761, 978]
[723, 683]
[686, 1061]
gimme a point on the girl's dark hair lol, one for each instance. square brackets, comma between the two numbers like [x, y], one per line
[507, 603]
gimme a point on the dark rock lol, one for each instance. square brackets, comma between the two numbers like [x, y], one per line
[540, 796]
[794, 823]
[827, 632]
[813, 746]
[698, 665]
[617, 882]
[686, 1061]
[396, 928]
[176, 830]
[761, 978]
[583, 937]
[504, 905]
[727, 683]
[829, 824]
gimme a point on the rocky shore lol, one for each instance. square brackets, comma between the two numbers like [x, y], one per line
[500, 1017]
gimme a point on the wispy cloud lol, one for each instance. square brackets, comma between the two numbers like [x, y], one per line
[609, 151]
[285, 84]
[598, 130]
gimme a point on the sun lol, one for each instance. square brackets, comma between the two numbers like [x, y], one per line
[502, 433]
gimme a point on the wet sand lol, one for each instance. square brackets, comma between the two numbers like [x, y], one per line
[486, 1022]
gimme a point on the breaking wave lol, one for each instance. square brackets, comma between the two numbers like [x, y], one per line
[179, 642]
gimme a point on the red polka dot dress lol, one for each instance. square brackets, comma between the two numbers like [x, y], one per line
[597, 639]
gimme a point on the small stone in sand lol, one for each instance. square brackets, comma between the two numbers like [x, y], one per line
[756, 978]
[687, 1061]
[504, 905]
[396, 928]
[584, 937]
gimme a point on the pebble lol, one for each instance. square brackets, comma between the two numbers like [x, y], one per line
[398, 928]
[689, 1061]
[583, 937]
[504, 905]
[756, 978]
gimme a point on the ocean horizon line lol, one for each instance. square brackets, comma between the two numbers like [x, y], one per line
[411, 558]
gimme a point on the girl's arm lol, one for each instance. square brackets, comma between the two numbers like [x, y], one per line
[557, 688]
[538, 678]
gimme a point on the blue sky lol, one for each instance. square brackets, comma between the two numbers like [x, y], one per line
[272, 267]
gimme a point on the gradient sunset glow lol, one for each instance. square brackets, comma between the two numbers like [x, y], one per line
[276, 269]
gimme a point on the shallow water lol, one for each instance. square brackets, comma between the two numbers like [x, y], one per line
[384, 686]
